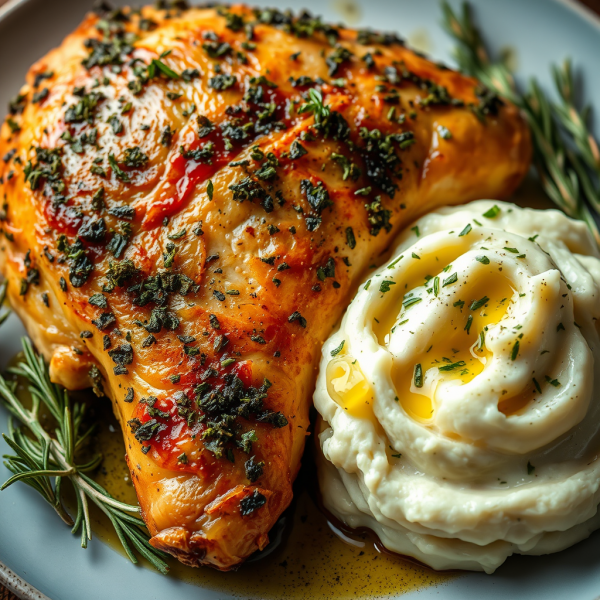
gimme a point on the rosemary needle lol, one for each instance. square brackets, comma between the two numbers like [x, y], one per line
[43, 461]
[566, 154]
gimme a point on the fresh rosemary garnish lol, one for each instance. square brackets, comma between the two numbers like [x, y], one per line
[566, 154]
[44, 462]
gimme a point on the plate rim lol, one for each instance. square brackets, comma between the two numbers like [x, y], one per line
[16, 584]
[575, 5]
[8, 578]
[10, 6]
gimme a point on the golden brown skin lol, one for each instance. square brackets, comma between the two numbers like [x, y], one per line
[274, 260]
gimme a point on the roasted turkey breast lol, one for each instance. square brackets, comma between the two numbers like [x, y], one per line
[188, 199]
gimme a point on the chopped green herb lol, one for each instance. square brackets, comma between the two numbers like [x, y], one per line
[296, 316]
[246, 441]
[220, 342]
[297, 150]
[492, 212]
[249, 504]
[394, 263]
[418, 376]
[176, 236]
[452, 366]
[254, 470]
[410, 301]
[515, 351]
[476, 304]
[222, 82]
[119, 173]
[159, 65]
[350, 239]
[337, 350]
[385, 286]
[169, 255]
[450, 280]
[469, 323]
[466, 230]
[98, 300]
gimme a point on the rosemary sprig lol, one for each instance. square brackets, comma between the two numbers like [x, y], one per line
[4, 312]
[565, 152]
[44, 461]
[576, 123]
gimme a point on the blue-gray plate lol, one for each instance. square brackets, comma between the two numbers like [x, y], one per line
[38, 555]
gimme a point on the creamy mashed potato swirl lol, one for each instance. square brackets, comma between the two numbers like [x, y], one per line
[460, 397]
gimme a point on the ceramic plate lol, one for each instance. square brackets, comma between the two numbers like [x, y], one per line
[35, 547]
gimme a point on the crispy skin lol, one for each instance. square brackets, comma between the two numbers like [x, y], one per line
[286, 248]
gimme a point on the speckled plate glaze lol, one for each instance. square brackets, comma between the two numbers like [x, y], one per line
[39, 558]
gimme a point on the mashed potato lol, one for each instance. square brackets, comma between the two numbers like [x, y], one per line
[460, 397]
